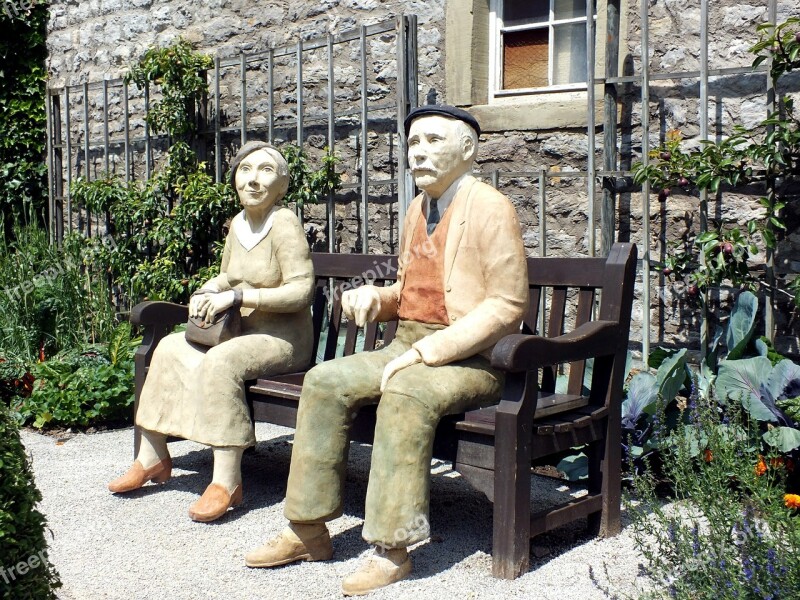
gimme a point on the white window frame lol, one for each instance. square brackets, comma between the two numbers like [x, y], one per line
[496, 31]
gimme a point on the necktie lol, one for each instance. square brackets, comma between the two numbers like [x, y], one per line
[433, 216]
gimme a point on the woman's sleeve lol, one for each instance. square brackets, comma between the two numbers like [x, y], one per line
[290, 249]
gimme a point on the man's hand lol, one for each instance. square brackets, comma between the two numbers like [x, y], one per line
[411, 357]
[362, 304]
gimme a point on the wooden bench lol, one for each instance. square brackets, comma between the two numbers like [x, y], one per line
[582, 307]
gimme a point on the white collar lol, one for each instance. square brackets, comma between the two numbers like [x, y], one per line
[447, 196]
[246, 236]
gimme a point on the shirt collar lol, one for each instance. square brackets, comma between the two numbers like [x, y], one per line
[246, 236]
[447, 196]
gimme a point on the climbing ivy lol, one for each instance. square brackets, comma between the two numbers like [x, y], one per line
[23, 124]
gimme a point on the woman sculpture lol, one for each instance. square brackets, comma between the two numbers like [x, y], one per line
[196, 392]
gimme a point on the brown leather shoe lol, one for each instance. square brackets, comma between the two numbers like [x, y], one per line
[379, 570]
[215, 502]
[137, 476]
[296, 542]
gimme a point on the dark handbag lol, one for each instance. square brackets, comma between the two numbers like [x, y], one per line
[226, 325]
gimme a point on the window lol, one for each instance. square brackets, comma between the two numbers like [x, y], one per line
[537, 45]
[544, 83]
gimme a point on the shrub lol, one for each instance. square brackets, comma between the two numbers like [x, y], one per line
[49, 298]
[768, 156]
[733, 531]
[83, 387]
[22, 527]
[23, 50]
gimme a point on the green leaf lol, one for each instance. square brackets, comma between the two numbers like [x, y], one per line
[659, 355]
[575, 467]
[784, 379]
[671, 375]
[784, 439]
[742, 324]
[640, 399]
[742, 380]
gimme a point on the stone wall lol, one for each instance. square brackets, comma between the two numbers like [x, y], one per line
[96, 39]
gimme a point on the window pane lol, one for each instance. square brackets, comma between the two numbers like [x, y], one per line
[569, 9]
[569, 53]
[525, 59]
[521, 12]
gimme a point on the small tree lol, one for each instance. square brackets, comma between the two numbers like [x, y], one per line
[769, 156]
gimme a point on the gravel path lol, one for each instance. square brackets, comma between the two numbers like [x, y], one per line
[144, 545]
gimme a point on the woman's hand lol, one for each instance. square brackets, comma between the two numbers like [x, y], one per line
[207, 306]
[198, 304]
[217, 303]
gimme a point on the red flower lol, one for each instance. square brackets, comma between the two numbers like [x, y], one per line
[708, 455]
[761, 466]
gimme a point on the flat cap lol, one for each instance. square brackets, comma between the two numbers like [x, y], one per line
[442, 110]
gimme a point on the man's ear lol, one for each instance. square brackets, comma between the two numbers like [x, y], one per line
[467, 147]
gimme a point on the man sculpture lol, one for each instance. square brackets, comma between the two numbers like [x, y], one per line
[462, 285]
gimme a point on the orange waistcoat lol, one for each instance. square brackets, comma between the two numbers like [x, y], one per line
[422, 297]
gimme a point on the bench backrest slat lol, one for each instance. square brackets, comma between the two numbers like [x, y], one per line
[334, 322]
[530, 322]
[583, 314]
[342, 272]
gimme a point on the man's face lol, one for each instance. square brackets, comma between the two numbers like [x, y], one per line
[437, 155]
[258, 180]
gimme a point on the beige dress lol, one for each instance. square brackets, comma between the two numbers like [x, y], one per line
[196, 392]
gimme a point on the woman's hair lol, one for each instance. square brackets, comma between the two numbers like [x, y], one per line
[248, 149]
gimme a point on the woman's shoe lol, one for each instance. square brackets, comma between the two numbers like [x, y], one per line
[137, 476]
[214, 503]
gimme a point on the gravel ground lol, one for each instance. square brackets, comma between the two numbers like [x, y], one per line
[144, 545]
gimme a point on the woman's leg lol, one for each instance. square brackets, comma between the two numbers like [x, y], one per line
[152, 464]
[225, 489]
[153, 448]
[228, 467]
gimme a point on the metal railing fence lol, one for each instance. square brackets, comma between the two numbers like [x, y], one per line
[613, 177]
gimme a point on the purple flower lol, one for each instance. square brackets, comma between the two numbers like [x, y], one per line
[746, 568]
[771, 561]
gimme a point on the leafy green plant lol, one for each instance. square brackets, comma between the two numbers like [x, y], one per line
[23, 50]
[731, 530]
[179, 72]
[83, 387]
[760, 388]
[644, 395]
[769, 156]
[49, 298]
[306, 184]
[22, 526]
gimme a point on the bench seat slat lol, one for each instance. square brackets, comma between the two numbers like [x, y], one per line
[482, 420]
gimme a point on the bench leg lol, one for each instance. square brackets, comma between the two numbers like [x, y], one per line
[605, 477]
[512, 499]
[610, 522]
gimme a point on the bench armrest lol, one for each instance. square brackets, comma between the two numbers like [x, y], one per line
[159, 313]
[518, 352]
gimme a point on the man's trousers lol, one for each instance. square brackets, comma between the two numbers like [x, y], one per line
[415, 399]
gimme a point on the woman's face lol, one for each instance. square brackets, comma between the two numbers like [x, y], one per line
[258, 181]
